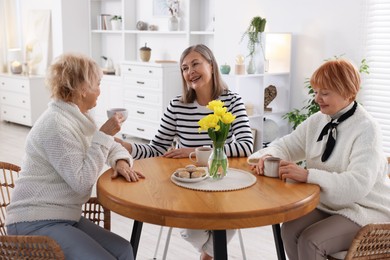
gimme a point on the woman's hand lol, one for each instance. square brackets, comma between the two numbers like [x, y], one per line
[259, 167]
[113, 125]
[123, 168]
[179, 153]
[292, 171]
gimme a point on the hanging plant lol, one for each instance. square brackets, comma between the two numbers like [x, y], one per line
[256, 27]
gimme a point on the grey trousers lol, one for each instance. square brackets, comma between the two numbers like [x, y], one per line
[317, 234]
[78, 240]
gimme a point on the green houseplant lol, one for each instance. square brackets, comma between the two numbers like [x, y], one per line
[254, 34]
[116, 22]
[255, 28]
[297, 116]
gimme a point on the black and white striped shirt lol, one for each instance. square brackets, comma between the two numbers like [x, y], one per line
[181, 120]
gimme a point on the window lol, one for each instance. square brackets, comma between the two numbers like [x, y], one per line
[375, 94]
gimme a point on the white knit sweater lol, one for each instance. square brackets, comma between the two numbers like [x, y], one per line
[64, 157]
[353, 181]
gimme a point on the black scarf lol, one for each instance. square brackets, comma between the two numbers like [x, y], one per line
[331, 127]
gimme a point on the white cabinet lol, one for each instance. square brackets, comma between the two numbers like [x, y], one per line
[22, 99]
[251, 88]
[196, 26]
[147, 90]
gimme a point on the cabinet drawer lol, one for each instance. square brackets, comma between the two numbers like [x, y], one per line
[145, 97]
[144, 112]
[141, 82]
[15, 99]
[16, 85]
[141, 70]
[140, 129]
[17, 115]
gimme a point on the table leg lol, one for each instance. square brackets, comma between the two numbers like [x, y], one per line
[278, 242]
[135, 236]
[220, 247]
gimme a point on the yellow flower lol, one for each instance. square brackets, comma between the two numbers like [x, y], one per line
[228, 118]
[209, 121]
[215, 104]
[217, 124]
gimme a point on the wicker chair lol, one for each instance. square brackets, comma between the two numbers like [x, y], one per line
[29, 247]
[371, 242]
[10, 246]
[9, 173]
[98, 214]
[91, 210]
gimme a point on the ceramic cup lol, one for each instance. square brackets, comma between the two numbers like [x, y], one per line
[112, 111]
[202, 155]
[271, 167]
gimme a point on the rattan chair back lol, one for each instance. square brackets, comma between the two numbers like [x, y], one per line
[8, 174]
[29, 247]
[371, 242]
[98, 214]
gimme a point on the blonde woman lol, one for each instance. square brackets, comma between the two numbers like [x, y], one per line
[65, 154]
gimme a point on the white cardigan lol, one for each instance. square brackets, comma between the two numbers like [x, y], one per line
[64, 157]
[353, 181]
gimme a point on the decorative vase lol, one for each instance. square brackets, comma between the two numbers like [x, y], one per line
[251, 68]
[260, 60]
[173, 23]
[218, 162]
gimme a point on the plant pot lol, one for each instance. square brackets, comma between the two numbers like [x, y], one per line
[116, 25]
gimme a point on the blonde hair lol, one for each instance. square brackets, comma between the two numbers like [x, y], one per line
[219, 86]
[338, 75]
[68, 73]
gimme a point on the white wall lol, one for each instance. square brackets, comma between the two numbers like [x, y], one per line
[69, 23]
[320, 29]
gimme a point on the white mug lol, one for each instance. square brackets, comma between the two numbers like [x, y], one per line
[123, 111]
[271, 167]
[202, 155]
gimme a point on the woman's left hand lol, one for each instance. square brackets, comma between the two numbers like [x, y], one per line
[178, 153]
[123, 168]
[292, 171]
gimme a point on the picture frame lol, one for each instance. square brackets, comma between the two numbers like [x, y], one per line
[160, 8]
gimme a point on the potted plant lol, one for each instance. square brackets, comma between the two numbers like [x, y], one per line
[116, 22]
[297, 116]
[254, 35]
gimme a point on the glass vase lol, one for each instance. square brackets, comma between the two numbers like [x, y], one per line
[218, 162]
[251, 67]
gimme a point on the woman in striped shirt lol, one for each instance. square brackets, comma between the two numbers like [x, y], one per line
[202, 83]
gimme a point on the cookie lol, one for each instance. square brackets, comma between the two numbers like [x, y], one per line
[184, 174]
[197, 174]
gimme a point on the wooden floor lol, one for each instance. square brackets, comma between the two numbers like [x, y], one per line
[258, 242]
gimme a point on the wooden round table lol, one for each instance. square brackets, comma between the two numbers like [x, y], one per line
[157, 200]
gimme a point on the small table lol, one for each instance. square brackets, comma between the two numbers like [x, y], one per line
[157, 200]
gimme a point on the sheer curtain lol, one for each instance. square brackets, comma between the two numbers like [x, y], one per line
[375, 94]
[10, 30]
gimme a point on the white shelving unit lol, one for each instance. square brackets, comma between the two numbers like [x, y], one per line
[196, 26]
[251, 87]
